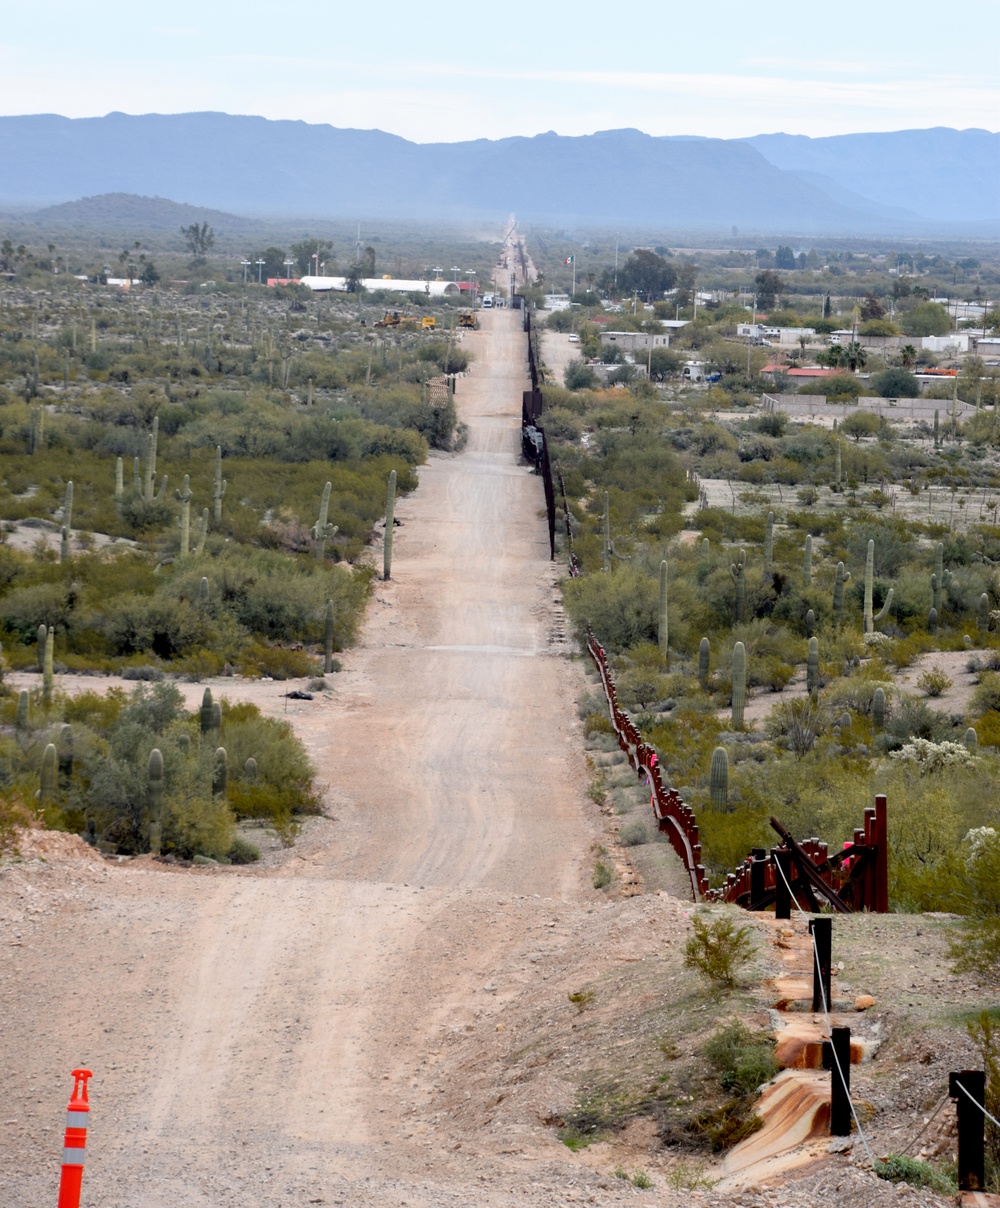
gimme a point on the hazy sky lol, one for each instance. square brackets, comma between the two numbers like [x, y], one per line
[466, 69]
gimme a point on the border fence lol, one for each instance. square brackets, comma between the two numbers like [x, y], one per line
[534, 445]
[792, 873]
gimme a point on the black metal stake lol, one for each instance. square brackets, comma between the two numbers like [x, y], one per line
[840, 1087]
[782, 880]
[821, 930]
[758, 863]
[971, 1127]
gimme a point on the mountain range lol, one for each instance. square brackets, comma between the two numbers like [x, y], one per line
[911, 181]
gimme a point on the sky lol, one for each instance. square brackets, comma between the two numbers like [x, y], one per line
[466, 69]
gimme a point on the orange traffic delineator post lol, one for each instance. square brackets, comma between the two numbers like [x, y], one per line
[75, 1142]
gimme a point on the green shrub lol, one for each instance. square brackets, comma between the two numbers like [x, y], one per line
[897, 1168]
[243, 851]
[743, 1058]
[633, 834]
[719, 950]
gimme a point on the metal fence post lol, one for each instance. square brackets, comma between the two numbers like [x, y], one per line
[758, 862]
[782, 858]
[971, 1127]
[839, 1047]
[821, 930]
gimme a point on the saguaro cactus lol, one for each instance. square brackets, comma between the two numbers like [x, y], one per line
[941, 578]
[205, 713]
[321, 530]
[878, 708]
[47, 669]
[719, 780]
[838, 592]
[328, 639]
[199, 547]
[706, 549]
[883, 612]
[154, 798]
[971, 739]
[23, 710]
[119, 482]
[983, 617]
[150, 480]
[810, 622]
[250, 770]
[836, 466]
[812, 666]
[704, 654]
[203, 592]
[40, 653]
[807, 561]
[65, 748]
[932, 620]
[869, 581]
[390, 523]
[184, 494]
[769, 539]
[663, 619]
[219, 488]
[739, 684]
[220, 772]
[49, 776]
[738, 571]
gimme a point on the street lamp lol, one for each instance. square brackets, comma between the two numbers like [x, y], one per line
[260, 262]
[288, 267]
[454, 272]
[437, 270]
[246, 265]
[471, 274]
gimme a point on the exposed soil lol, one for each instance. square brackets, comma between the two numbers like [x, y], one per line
[380, 1015]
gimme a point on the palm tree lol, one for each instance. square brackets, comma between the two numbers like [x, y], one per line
[907, 356]
[855, 356]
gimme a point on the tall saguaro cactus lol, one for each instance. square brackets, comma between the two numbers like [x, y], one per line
[719, 779]
[206, 715]
[322, 531]
[738, 571]
[184, 494]
[154, 798]
[151, 440]
[868, 621]
[220, 772]
[390, 524]
[119, 483]
[940, 579]
[663, 633]
[739, 684]
[219, 488]
[807, 561]
[49, 776]
[704, 656]
[47, 668]
[199, 547]
[812, 666]
[840, 579]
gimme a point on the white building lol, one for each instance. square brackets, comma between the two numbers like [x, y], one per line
[953, 343]
[398, 285]
[557, 302]
[634, 341]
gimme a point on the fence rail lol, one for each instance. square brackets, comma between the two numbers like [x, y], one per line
[853, 879]
[534, 444]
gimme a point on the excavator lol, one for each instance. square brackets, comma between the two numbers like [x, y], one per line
[468, 319]
[392, 318]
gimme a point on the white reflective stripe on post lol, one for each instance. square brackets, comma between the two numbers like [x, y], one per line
[77, 1119]
[74, 1157]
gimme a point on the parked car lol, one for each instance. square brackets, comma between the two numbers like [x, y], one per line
[573, 338]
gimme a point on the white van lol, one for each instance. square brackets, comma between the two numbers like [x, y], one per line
[487, 301]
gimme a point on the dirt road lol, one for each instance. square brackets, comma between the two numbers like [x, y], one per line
[274, 1037]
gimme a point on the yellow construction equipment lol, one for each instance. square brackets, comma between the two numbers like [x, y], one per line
[392, 318]
[468, 319]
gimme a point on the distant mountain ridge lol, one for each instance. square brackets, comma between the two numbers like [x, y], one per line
[907, 181]
[133, 209]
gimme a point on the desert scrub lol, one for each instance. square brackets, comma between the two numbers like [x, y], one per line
[933, 682]
[743, 1058]
[897, 1168]
[719, 950]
